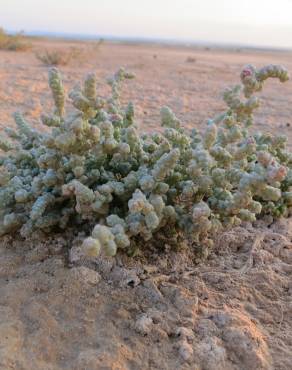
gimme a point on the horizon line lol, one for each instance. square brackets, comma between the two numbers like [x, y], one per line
[147, 40]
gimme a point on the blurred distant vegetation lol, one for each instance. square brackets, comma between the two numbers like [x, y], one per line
[64, 56]
[59, 57]
[97, 44]
[190, 59]
[15, 42]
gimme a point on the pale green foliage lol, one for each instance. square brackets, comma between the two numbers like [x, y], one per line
[94, 168]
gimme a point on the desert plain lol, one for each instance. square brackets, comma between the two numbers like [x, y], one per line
[160, 310]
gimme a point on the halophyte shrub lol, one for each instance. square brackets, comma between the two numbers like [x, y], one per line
[94, 169]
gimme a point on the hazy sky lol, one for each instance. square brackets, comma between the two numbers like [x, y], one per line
[254, 22]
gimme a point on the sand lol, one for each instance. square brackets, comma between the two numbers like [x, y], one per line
[160, 310]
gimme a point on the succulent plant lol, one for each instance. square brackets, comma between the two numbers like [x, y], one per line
[93, 167]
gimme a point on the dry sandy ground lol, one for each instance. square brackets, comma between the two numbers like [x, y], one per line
[160, 310]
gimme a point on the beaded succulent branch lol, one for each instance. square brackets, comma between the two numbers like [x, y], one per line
[94, 168]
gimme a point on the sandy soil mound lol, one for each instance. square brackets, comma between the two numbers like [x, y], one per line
[160, 311]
